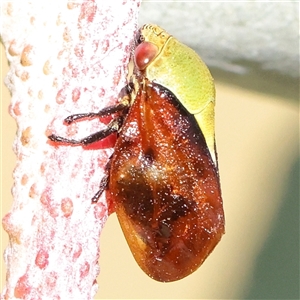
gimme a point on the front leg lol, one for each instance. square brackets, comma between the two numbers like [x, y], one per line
[102, 113]
[122, 106]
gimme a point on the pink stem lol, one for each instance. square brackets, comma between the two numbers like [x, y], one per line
[65, 58]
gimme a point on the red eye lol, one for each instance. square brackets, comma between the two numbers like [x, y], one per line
[144, 54]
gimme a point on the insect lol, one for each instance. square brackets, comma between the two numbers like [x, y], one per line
[163, 175]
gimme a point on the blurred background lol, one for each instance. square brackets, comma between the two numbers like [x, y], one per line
[252, 50]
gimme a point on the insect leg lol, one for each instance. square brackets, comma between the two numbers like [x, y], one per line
[103, 183]
[103, 112]
[121, 106]
[102, 187]
[112, 127]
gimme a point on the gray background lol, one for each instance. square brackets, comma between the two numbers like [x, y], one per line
[252, 44]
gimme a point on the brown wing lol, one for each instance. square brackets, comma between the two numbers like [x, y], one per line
[165, 187]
